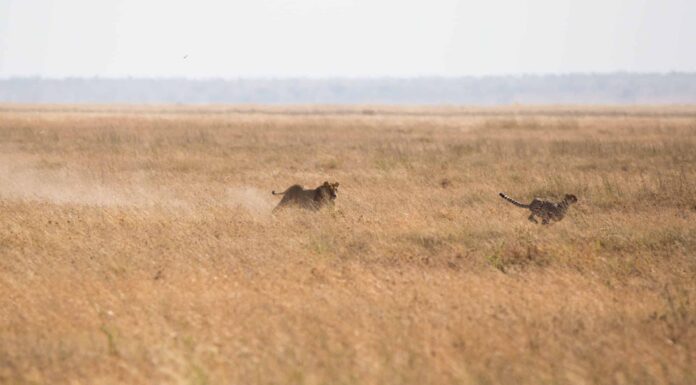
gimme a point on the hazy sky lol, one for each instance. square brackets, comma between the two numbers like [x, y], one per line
[348, 38]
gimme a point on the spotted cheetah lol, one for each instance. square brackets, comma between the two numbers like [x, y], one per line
[546, 210]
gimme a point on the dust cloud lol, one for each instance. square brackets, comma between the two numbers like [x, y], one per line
[26, 182]
[253, 200]
[65, 186]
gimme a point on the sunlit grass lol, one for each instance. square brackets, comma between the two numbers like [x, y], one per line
[137, 245]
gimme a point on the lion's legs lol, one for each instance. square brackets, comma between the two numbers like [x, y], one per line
[287, 200]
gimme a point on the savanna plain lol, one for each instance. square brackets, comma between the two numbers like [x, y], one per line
[137, 245]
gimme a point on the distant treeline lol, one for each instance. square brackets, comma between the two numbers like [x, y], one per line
[615, 88]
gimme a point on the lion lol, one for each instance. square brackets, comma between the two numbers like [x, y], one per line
[315, 199]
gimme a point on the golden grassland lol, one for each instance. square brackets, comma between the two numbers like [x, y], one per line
[137, 246]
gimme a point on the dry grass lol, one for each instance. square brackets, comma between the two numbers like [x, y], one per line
[137, 246]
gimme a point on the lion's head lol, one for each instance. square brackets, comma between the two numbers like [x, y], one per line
[326, 191]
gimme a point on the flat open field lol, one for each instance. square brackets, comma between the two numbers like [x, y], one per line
[137, 246]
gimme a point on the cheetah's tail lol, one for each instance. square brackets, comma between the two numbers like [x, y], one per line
[514, 202]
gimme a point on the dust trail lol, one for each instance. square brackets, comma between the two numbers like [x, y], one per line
[255, 201]
[64, 186]
[25, 180]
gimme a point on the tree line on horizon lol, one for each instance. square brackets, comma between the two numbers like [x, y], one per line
[616, 88]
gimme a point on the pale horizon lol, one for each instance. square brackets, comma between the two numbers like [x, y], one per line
[276, 39]
[624, 88]
[348, 78]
